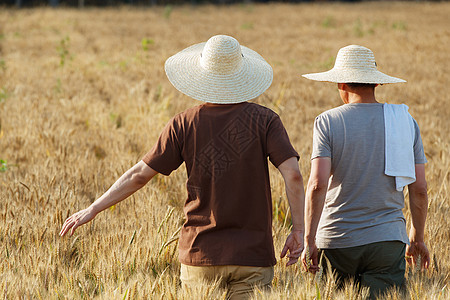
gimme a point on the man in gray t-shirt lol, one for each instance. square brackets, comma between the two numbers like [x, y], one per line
[353, 209]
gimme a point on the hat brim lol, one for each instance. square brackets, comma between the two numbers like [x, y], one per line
[353, 76]
[187, 75]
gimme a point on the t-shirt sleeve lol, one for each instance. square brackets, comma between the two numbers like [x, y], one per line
[419, 154]
[165, 156]
[279, 147]
[321, 138]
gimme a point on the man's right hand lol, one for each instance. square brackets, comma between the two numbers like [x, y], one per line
[310, 258]
[418, 204]
[413, 252]
[294, 244]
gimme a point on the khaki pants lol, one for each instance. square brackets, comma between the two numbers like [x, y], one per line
[238, 280]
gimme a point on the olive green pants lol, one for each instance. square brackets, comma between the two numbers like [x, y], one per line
[377, 266]
[239, 281]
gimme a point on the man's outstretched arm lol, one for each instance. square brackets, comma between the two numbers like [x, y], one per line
[131, 181]
[418, 204]
[315, 199]
[296, 197]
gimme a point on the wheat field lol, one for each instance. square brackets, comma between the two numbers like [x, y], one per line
[83, 96]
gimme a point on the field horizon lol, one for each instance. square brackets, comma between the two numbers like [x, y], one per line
[83, 96]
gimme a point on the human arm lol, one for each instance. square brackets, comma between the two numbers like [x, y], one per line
[315, 199]
[131, 181]
[296, 197]
[418, 204]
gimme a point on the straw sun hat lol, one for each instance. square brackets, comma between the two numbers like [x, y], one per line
[354, 64]
[219, 71]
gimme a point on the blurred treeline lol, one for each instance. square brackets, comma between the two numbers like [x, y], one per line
[100, 3]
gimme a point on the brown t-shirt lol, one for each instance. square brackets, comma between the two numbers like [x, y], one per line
[229, 206]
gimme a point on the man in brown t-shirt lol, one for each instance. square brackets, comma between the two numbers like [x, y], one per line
[224, 144]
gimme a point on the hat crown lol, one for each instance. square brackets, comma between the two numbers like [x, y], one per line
[221, 55]
[355, 57]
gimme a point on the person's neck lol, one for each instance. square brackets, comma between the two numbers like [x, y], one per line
[361, 98]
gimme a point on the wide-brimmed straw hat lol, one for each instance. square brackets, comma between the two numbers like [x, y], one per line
[354, 64]
[219, 71]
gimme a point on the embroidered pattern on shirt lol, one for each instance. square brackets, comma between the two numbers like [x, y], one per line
[237, 136]
[258, 115]
[213, 160]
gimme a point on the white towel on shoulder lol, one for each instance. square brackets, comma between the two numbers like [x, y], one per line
[399, 144]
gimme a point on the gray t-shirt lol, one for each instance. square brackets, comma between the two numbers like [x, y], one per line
[362, 205]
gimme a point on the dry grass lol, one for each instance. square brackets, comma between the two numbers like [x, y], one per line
[83, 96]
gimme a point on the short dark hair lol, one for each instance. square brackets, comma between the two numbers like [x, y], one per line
[355, 85]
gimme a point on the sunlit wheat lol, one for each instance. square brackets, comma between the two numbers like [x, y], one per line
[83, 96]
